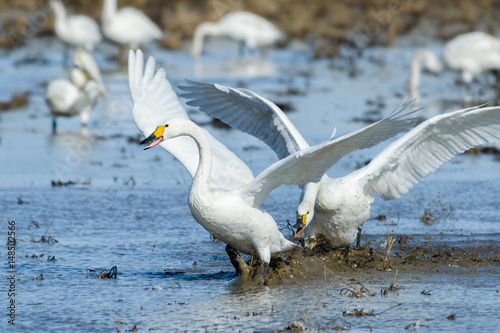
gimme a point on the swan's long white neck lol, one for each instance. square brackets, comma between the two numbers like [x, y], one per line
[201, 179]
[308, 199]
[203, 30]
[429, 60]
[60, 15]
[415, 71]
[108, 10]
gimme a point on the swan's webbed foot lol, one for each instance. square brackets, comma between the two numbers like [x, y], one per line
[238, 262]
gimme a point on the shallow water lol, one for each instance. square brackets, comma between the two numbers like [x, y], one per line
[128, 207]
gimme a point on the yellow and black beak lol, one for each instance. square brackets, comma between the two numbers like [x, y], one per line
[301, 221]
[155, 138]
[300, 225]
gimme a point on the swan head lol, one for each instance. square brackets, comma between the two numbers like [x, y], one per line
[155, 138]
[176, 127]
[305, 214]
[57, 7]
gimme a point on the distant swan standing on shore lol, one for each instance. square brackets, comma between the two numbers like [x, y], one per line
[247, 28]
[75, 30]
[128, 27]
[470, 53]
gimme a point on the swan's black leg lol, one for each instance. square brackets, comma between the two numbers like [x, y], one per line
[237, 261]
[358, 237]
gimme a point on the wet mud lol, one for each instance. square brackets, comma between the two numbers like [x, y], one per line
[324, 260]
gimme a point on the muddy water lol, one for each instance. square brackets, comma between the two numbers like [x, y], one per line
[127, 208]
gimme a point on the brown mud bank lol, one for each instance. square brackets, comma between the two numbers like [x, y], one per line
[426, 257]
[358, 23]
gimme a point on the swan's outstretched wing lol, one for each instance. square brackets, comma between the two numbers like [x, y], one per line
[253, 114]
[248, 112]
[425, 148]
[155, 102]
[310, 164]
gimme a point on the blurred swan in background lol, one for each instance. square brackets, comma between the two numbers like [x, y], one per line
[75, 30]
[78, 96]
[128, 26]
[248, 29]
[470, 53]
[335, 208]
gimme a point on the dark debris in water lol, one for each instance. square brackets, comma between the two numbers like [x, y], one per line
[32, 60]
[135, 139]
[285, 107]
[251, 148]
[362, 313]
[289, 91]
[487, 150]
[131, 328]
[426, 292]
[365, 120]
[357, 313]
[101, 273]
[59, 183]
[39, 278]
[417, 323]
[45, 239]
[17, 101]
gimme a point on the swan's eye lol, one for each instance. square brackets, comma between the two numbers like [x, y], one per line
[166, 125]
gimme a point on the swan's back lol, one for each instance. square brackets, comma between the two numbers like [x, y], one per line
[85, 29]
[130, 26]
[139, 26]
[255, 30]
[61, 95]
[473, 52]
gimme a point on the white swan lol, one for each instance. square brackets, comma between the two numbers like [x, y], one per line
[128, 26]
[470, 53]
[247, 28]
[224, 196]
[75, 30]
[335, 208]
[77, 97]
